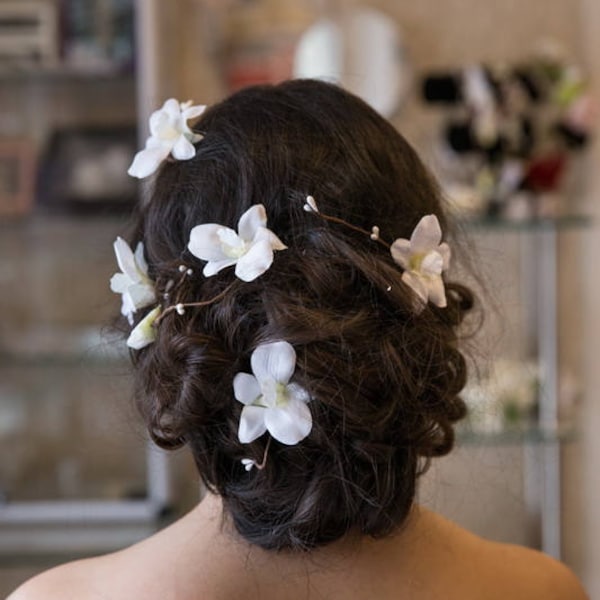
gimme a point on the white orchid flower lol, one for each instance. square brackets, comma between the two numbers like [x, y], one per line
[133, 283]
[250, 249]
[423, 259]
[144, 333]
[169, 134]
[270, 402]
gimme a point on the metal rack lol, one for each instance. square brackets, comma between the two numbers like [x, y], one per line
[542, 446]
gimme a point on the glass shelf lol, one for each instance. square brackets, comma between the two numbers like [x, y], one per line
[537, 224]
[517, 436]
[65, 347]
[63, 73]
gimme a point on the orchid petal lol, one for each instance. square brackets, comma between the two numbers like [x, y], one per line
[432, 264]
[255, 262]
[128, 307]
[152, 143]
[192, 112]
[128, 315]
[229, 237]
[274, 361]
[141, 295]
[252, 424]
[146, 161]
[249, 223]
[297, 392]
[436, 291]
[205, 242]
[290, 424]
[140, 259]
[172, 108]
[426, 235]
[444, 250]
[125, 259]
[266, 234]
[213, 267]
[416, 283]
[401, 252]
[119, 283]
[144, 333]
[183, 149]
[246, 388]
[158, 121]
[194, 138]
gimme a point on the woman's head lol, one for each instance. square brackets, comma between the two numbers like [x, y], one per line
[383, 377]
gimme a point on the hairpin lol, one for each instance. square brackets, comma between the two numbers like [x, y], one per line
[271, 402]
[423, 257]
[250, 463]
[250, 249]
[169, 135]
[133, 283]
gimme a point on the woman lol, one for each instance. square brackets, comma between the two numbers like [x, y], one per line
[296, 329]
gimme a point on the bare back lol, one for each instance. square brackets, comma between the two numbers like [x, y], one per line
[197, 557]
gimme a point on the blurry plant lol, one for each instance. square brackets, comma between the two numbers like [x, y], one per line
[506, 399]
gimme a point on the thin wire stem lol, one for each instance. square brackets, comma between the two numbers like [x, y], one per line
[181, 305]
[261, 466]
[353, 227]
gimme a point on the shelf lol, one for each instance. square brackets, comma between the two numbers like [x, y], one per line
[51, 347]
[514, 437]
[64, 73]
[546, 224]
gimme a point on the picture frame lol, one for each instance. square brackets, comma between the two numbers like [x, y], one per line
[84, 170]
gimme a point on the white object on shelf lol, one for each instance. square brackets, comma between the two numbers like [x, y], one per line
[28, 32]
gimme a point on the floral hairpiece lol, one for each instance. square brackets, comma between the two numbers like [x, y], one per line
[423, 257]
[271, 402]
[169, 135]
[133, 283]
[250, 249]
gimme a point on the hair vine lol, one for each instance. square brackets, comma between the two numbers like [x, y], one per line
[271, 401]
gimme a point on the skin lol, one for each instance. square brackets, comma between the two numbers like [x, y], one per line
[200, 557]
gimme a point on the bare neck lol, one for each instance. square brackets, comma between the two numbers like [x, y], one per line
[204, 547]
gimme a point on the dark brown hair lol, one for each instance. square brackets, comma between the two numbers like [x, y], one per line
[384, 379]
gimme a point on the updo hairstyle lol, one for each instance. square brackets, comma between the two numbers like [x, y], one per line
[384, 378]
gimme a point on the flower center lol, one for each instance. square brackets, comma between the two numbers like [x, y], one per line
[415, 261]
[231, 244]
[275, 394]
[167, 129]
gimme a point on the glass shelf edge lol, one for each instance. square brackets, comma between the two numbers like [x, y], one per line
[508, 437]
[541, 224]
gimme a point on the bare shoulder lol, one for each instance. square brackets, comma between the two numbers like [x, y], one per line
[73, 580]
[531, 574]
[494, 570]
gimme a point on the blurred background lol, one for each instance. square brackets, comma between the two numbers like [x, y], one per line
[500, 98]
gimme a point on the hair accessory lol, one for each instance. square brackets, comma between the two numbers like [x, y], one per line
[250, 249]
[169, 135]
[180, 307]
[311, 205]
[144, 333]
[424, 257]
[270, 402]
[250, 463]
[133, 283]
